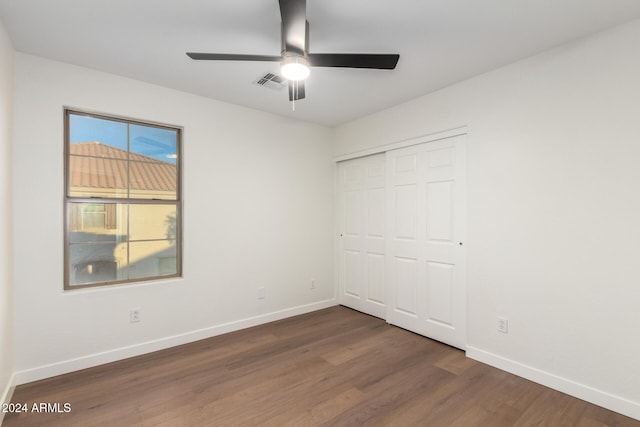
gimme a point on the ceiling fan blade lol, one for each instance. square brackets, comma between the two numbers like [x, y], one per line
[294, 25]
[296, 90]
[232, 57]
[354, 60]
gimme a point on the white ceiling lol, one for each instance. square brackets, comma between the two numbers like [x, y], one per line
[440, 42]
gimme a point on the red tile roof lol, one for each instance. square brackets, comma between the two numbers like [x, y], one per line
[96, 165]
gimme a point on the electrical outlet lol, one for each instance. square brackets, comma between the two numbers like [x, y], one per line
[135, 315]
[261, 292]
[503, 325]
[313, 283]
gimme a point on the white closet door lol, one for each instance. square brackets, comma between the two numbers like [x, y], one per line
[426, 262]
[362, 237]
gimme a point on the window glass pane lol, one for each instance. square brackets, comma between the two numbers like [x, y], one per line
[96, 263]
[148, 259]
[152, 222]
[97, 222]
[98, 151]
[97, 177]
[154, 143]
[152, 180]
[153, 156]
[90, 136]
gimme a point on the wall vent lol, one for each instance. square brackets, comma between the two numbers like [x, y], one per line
[271, 81]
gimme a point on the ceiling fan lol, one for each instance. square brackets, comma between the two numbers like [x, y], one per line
[295, 57]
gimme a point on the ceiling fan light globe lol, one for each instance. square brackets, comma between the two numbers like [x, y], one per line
[295, 69]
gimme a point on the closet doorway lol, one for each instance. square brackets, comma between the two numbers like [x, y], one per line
[402, 254]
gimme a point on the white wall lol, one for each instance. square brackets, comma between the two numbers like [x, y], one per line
[258, 211]
[6, 225]
[553, 210]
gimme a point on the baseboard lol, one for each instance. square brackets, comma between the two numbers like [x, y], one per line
[581, 391]
[89, 361]
[7, 393]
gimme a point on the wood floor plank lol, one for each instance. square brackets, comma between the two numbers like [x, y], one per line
[333, 367]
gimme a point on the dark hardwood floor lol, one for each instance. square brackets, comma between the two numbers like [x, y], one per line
[334, 367]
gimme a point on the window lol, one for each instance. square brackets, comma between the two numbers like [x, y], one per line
[122, 200]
